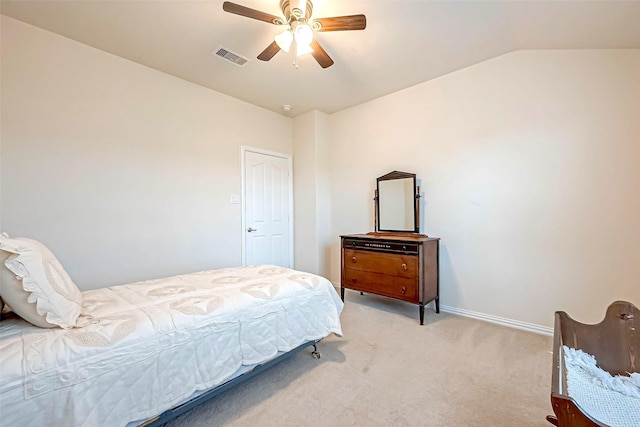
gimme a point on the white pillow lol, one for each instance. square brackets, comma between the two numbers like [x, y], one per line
[35, 286]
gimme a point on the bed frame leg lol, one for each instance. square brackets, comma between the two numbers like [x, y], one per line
[552, 419]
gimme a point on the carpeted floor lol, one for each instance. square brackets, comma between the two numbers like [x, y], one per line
[387, 370]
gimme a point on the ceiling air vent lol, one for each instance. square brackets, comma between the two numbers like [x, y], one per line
[239, 60]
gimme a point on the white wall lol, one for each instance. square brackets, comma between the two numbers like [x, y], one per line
[530, 165]
[123, 171]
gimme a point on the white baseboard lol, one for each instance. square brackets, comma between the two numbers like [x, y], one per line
[516, 324]
[530, 327]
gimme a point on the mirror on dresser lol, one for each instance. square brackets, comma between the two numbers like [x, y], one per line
[397, 207]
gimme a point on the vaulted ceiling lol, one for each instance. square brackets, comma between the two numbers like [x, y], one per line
[406, 42]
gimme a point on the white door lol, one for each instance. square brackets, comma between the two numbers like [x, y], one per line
[267, 209]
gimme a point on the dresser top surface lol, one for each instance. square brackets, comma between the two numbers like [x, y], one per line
[404, 237]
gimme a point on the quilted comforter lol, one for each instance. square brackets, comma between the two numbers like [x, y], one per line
[142, 348]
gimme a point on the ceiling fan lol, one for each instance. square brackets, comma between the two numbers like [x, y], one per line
[298, 34]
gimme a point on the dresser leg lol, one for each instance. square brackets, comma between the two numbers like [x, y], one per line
[342, 293]
[437, 304]
[422, 314]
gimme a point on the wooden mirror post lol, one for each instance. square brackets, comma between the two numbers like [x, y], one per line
[417, 208]
[375, 210]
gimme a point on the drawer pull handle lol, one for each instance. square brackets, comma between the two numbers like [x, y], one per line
[403, 290]
[353, 280]
[353, 259]
[404, 267]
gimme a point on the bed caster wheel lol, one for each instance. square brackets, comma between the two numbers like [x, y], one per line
[315, 354]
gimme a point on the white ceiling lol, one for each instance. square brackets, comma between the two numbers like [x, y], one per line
[406, 42]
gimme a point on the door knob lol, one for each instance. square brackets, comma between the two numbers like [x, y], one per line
[251, 229]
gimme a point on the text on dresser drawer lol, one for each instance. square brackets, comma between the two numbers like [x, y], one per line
[382, 246]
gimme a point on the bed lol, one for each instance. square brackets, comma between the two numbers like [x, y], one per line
[595, 379]
[140, 350]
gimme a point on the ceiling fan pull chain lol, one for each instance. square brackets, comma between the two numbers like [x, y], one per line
[295, 52]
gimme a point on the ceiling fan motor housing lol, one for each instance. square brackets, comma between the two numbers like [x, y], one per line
[296, 10]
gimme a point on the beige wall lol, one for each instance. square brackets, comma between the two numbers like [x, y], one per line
[125, 172]
[530, 166]
[311, 188]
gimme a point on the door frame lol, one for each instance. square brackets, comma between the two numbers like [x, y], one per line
[244, 149]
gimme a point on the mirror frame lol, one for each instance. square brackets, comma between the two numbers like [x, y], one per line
[416, 197]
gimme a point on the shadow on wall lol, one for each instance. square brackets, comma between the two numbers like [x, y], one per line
[449, 284]
[331, 267]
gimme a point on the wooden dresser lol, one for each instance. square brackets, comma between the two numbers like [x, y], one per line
[396, 265]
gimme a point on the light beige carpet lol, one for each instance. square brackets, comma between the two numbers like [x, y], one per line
[387, 370]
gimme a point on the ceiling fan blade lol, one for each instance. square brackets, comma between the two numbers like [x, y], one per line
[342, 23]
[269, 52]
[251, 13]
[321, 55]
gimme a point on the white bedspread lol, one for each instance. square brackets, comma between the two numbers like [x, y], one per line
[149, 345]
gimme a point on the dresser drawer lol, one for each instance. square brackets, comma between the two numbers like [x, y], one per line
[390, 264]
[403, 288]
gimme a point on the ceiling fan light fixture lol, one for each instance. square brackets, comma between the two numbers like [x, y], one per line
[303, 34]
[303, 49]
[284, 40]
